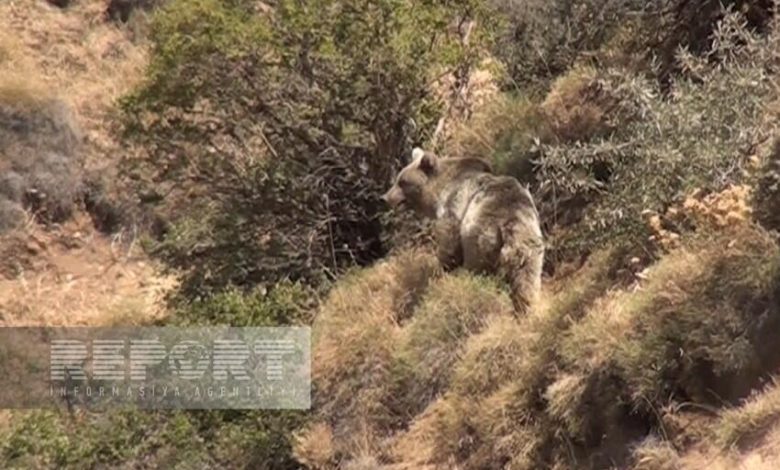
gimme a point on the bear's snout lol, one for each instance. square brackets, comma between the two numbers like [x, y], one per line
[393, 197]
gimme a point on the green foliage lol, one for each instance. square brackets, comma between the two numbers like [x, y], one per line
[285, 304]
[540, 39]
[699, 136]
[265, 139]
[174, 439]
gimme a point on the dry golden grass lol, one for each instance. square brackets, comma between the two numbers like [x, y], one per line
[457, 382]
[417, 447]
[75, 56]
[454, 308]
[700, 300]
[73, 276]
[355, 336]
[747, 423]
[492, 358]
[578, 106]
[654, 454]
[314, 446]
[563, 401]
[503, 129]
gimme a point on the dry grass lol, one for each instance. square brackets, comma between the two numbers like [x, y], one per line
[505, 130]
[689, 329]
[73, 276]
[314, 446]
[63, 70]
[75, 55]
[737, 426]
[654, 454]
[355, 337]
[575, 106]
[417, 447]
[575, 384]
[453, 309]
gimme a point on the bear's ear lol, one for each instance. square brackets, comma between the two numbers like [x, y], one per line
[428, 163]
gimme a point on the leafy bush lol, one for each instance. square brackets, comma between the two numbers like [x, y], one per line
[11, 215]
[285, 304]
[698, 137]
[131, 438]
[693, 26]
[120, 10]
[541, 39]
[266, 139]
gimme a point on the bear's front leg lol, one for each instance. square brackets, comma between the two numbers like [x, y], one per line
[448, 247]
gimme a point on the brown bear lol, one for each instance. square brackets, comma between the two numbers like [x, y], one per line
[484, 222]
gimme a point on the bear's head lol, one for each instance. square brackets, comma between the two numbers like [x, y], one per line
[413, 187]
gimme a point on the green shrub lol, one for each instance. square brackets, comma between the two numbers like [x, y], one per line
[131, 438]
[538, 39]
[672, 25]
[11, 215]
[698, 136]
[266, 139]
[172, 439]
[285, 304]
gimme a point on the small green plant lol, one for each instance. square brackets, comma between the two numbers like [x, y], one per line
[285, 304]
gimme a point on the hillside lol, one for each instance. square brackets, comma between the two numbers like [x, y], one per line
[71, 273]
[201, 162]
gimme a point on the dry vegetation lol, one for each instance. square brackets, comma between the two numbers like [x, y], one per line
[60, 75]
[578, 383]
